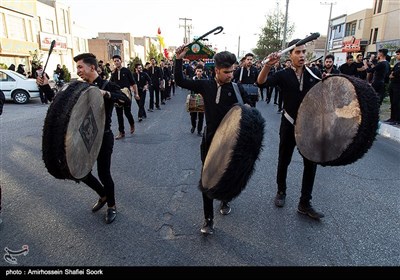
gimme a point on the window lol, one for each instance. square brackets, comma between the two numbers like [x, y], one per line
[353, 28]
[29, 31]
[350, 28]
[370, 36]
[16, 28]
[47, 25]
[376, 2]
[360, 22]
[3, 31]
[66, 19]
[380, 6]
[375, 36]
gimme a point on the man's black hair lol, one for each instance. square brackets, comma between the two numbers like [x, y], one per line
[330, 56]
[87, 58]
[117, 56]
[293, 42]
[224, 59]
[383, 51]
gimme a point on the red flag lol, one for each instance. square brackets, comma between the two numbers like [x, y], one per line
[159, 31]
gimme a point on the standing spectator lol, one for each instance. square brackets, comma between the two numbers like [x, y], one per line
[349, 68]
[361, 71]
[12, 67]
[379, 73]
[394, 92]
[21, 69]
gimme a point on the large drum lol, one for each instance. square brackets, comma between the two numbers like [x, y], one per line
[73, 131]
[337, 121]
[231, 158]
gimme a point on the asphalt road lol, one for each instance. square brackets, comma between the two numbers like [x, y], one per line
[156, 171]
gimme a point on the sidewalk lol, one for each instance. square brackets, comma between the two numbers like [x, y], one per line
[387, 130]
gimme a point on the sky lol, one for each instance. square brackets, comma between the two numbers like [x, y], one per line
[242, 20]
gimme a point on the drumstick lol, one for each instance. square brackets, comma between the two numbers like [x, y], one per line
[312, 37]
[218, 29]
[53, 43]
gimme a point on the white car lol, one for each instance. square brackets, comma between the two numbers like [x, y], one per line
[17, 87]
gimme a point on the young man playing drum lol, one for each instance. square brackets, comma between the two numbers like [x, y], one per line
[86, 64]
[294, 82]
[219, 97]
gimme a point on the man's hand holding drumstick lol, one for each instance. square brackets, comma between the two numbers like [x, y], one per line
[271, 60]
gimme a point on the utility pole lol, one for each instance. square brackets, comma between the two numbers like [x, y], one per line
[238, 47]
[328, 34]
[285, 26]
[187, 27]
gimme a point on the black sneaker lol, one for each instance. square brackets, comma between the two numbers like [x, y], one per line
[280, 199]
[309, 211]
[224, 208]
[208, 227]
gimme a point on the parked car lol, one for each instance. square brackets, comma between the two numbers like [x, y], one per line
[17, 87]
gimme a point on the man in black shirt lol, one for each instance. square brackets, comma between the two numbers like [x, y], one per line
[219, 97]
[86, 64]
[328, 66]
[349, 68]
[379, 72]
[294, 82]
[394, 92]
[123, 77]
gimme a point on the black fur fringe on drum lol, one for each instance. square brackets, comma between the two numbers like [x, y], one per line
[369, 106]
[55, 128]
[245, 154]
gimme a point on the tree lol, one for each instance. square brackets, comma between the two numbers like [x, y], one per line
[132, 62]
[36, 60]
[271, 36]
[153, 53]
[67, 74]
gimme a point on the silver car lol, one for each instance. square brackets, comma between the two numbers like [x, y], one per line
[17, 87]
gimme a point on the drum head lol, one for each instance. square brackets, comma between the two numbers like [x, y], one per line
[337, 117]
[73, 131]
[221, 148]
[85, 132]
[232, 154]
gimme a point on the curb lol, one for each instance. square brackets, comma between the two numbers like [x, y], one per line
[389, 131]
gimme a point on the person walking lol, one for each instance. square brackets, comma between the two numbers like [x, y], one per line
[219, 97]
[123, 77]
[86, 64]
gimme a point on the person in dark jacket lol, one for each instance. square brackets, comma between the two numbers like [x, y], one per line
[86, 64]
[219, 97]
[294, 82]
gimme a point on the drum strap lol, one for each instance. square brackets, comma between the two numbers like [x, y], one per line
[105, 84]
[288, 117]
[237, 92]
[312, 74]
